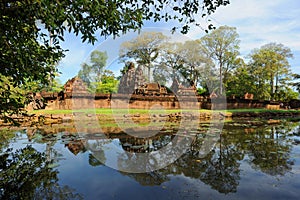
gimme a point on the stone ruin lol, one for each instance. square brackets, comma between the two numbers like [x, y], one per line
[131, 80]
[75, 85]
[184, 90]
[75, 90]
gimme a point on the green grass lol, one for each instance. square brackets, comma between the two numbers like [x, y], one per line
[105, 111]
[50, 112]
[108, 111]
[261, 110]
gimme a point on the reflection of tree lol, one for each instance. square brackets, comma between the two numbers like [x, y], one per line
[71, 141]
[169, 150]
[221, 167]
[94, 158]
[96, 146]
[267, 147]
[24, 174]
[40, 136]
[149, 179]
[5, 137]
[270, 152]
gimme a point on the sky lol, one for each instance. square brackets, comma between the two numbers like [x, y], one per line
[258, 22]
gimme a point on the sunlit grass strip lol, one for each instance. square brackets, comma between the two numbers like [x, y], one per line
[261, 110]
[108, 111]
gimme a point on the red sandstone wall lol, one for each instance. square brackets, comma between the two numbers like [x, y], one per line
[148, 102]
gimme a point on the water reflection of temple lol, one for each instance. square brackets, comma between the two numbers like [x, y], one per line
[76, 146]
[144, 145]
[128, 143]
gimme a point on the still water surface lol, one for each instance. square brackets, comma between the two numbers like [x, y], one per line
[247, 162]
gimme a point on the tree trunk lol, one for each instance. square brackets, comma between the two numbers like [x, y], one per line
[149, 73]
[276, 86]
[221, 79]
[272, 87]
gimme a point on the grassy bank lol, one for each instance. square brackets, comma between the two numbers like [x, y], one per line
[107, 111]
[262, 110]
[104, 111]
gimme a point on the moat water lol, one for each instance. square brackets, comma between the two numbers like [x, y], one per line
[56, 162]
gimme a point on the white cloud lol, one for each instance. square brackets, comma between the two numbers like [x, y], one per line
[261, 22]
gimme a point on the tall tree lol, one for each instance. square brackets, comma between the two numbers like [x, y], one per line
[92, 73]
[232, 62]
[98, 61]
[271, 63]
[240, 80]
[195, 60]
[85, 73]
[144, 49]
[170, 61]
[184, 60]
[221, 44]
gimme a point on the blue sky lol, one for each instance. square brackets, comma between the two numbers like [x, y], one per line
[258, 22]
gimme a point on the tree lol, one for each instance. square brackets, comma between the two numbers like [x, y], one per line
[286, 94]
[54, 86]
[184, 60]
[144, 49]
[267, 75]
[232, 62]
[11, 98]
[92, 74]
[108, 84]
[85, 73]
[170, 62]
[296, 84]
[98, 60]
[221, 45]
[240, 80]
[195, 61]
[270, 64]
